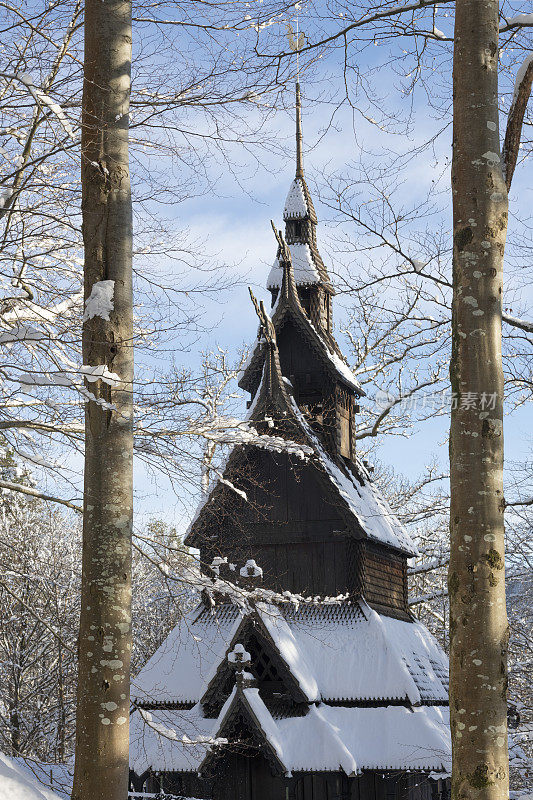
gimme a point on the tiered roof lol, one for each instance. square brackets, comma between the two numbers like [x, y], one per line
[317, 685]
[357, 671]
[366, 511]
[323, 344]
[327, 738]
[334, 652]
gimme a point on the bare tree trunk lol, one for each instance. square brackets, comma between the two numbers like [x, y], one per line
[102, 731]
[62, 706]
[478, 619]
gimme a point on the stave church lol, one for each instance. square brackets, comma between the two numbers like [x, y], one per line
[310, 679]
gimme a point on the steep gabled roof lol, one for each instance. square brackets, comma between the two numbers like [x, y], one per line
[244, 705]
[357, 493]
[309, 269]
[359, 655]
[175, 739]
[348, 487]
[268, 625]
[176, 671]
[299, 203]
[323, 344]
[365, 509]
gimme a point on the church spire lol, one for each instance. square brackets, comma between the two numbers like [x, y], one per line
[299, 135]
[310, 274]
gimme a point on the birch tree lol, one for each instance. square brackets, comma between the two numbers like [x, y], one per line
[102, 720]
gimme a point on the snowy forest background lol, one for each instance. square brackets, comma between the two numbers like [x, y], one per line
[212, 158]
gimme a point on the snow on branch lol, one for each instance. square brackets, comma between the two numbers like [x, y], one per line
[527, 502]
[240, 492]
[428, 566]
[67, 379]
[519, 21]
[245, 599]
[170, 733]
[42, 99]
[100, 373]
[32, 312]
[28, 490]
[22, 333]
[232, 431]
[425, 598]
[523, 324]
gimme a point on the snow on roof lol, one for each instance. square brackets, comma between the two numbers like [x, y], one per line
[344, 370]
[287, 646]
[18, 783]
[261, 713]
[305, 271]
[367, 656]
[334, 652]
[352, 739]
[296, 205]
[163, 740]
[341, 367]
[363, 498]
[393, 737]
[177, 670]
[327, 738]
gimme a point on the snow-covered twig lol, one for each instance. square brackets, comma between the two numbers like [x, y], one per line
[523, 324]
[519, 21]
[42, 99]
[18, 487]
[430, 596]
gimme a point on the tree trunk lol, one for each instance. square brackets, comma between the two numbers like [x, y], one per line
[478, 620]
[102, 731]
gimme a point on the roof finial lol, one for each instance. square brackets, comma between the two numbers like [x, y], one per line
[296, 44]
[288, 288]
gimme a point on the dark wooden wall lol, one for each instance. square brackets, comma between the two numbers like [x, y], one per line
[299, 362]
[383, 576]
[251, 778]
[297, 537]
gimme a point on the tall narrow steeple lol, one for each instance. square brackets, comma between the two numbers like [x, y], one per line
[311, 276]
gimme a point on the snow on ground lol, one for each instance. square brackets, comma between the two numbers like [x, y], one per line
[18, 783]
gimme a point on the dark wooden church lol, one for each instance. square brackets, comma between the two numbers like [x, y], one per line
[318, 685]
